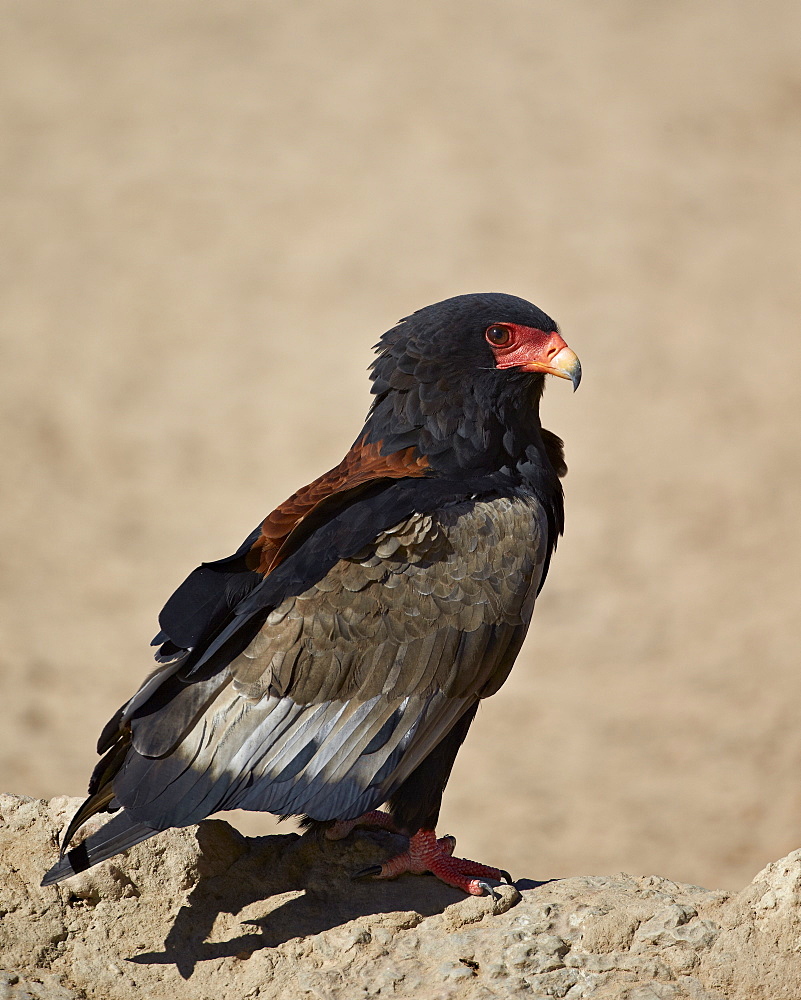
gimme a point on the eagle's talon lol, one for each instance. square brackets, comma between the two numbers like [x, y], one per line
[367, 872]
[489, 890]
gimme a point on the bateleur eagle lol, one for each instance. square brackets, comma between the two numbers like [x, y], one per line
[335, 662]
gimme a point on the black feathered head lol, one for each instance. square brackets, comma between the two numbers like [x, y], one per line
[460, 381]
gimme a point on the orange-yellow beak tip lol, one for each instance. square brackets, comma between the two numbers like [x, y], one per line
[566, 365]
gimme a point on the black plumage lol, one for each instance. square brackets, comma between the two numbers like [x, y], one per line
[336, 660]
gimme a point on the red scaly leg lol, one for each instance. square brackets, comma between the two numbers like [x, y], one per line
[375, 819]
[427, 854]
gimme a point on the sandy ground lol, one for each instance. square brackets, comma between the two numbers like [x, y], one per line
[210, 212]
[206, 914]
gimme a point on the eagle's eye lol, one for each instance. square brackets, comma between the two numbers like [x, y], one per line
[498, 336]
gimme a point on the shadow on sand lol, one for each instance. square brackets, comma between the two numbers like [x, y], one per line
[304, 885]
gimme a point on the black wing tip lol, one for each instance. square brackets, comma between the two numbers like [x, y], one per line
[120, 833]
[111, 732]
[168, 651]
[73, 863]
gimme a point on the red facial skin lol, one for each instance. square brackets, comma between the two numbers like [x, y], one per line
[532, 350]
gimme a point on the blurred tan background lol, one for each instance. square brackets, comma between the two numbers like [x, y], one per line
[209, 214]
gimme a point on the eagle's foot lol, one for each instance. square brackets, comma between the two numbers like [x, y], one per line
[427, 854]
[374, 819]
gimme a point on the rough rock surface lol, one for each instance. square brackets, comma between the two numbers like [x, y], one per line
[207, 913]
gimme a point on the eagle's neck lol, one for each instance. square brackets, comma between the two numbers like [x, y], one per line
[463, 429]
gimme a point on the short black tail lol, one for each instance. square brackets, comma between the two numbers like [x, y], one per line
[117, 835]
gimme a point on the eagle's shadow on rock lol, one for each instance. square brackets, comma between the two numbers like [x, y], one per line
[305, 886]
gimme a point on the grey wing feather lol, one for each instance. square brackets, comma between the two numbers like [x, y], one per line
[349, 686]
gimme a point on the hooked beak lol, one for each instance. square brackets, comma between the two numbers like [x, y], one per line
[565, 364]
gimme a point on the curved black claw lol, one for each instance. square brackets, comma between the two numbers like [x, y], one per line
[366, 872]
[506, 876]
